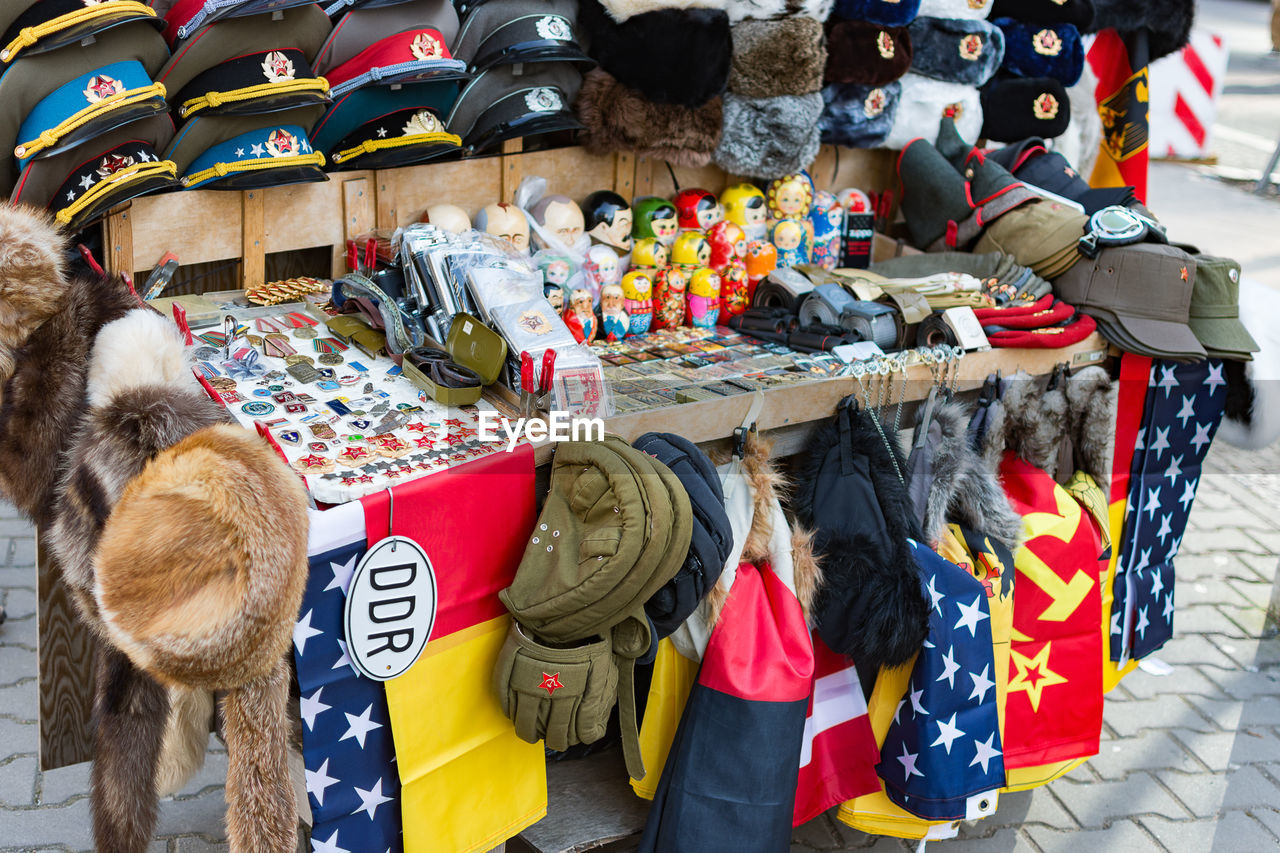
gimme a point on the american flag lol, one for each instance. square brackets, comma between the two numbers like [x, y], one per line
[351, 775]
[941, 758]
[1183, 410]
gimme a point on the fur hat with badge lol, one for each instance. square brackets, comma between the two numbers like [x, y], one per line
[858, 116]
[866, 53]
[925, 102]
[108, 431]
[956, 50]
[974, 10]
[1042, 50]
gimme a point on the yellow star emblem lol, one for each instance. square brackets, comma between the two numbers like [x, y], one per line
[1033, 675]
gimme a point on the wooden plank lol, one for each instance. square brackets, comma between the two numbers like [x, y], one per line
[303, 216]
[197, 226]
[870, 170]
[387, 215]
[644, 177]
[117, 237]
[253, 253]
[65, 653]
[624, 174]
[471, 184]
[512, 168]
[589, 804]
[571, 171]
[358, 217]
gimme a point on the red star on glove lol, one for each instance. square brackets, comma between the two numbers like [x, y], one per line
[550, 683]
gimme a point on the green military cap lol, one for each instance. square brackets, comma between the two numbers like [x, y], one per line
[1215, 310]
[81, 184]
[29, 80]
[200, 62]
[1042, 235]
[30, 27]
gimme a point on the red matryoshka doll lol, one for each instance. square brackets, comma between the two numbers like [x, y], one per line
[697, 210]
[728, 244]
[669, 288]
[734, 294]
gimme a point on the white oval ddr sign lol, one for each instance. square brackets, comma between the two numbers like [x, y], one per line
[391, 608]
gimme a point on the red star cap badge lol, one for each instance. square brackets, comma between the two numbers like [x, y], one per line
[551, 683]
[1183, 273]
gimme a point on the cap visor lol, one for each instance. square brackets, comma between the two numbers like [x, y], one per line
[124, 191]
[267, 104]
[1155, 337]
[548, 50]
[395, 157]
[265, 178]
[106, 123]
[484, 135]
[429, 70]
[258, 7]
[1223, 334]
[85, 29]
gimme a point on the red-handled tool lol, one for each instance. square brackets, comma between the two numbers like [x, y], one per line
[545, 380]
[527, 395]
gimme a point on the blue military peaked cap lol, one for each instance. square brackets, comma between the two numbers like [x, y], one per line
[265, 157]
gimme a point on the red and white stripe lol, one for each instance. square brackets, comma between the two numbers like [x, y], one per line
[1185, 87]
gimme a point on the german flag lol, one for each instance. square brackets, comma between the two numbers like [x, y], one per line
[1120, 64]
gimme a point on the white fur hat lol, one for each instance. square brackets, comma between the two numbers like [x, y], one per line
[620, 10]
[955, 8]
[764, 10]
[923, 103]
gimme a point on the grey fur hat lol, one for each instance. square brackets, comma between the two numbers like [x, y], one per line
[858, 116]
[957, 50]
[768, 137]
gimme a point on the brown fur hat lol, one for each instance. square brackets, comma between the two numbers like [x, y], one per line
[869, 54]
[784, 57]
[237, 527]
[620, 119]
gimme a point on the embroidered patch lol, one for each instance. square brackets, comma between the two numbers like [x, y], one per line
[1047, 43]
[1046, 106]
[884, 44]
[971, 47]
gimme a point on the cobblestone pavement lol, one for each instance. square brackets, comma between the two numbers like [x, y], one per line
[1190, 761]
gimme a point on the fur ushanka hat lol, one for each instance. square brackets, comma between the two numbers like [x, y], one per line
[956, 50]
[1076, 12]
[1015, 108]
[622, 10]
[971, 9]
[1042, 50]
[871, 54]
[768, 10]
[783, 57]
[1167, 21]
[924, 103]
[767, 137]
[620, 119]
[886, 13]
[670, 56]
[858, 116]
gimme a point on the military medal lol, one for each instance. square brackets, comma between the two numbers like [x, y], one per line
[257, 408]
[313, 464]
[306, 333]
[298, 358]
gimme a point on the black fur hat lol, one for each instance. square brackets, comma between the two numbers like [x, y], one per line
[1076, 12]
[869, 54]
[671, 56]
[1168, 21]
[871, 606]
[1014, 108]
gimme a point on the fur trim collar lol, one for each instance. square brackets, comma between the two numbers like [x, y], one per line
[963, 489]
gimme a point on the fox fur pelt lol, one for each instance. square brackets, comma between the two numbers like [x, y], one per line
[181, 538]
[871, 605]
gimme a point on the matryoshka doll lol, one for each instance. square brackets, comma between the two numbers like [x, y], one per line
[704, 299]
[790, 238]
[734, 293]
[613, 318]
[669, 287]
[648, 253]
[826, 218]
[637, 293]
[603, 265]
[690, 250]
[655, 217]
[580, 317]
[746, 207]
[728, 246]
[790, 197]
[697, 210]
[762, 259]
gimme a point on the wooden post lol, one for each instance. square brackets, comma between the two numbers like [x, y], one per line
[253, 256]
[65, 652]
[388, 216]
[624, 174]
[117, 240]
[512, 171]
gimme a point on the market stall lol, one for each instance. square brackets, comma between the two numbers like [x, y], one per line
[898, 426]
